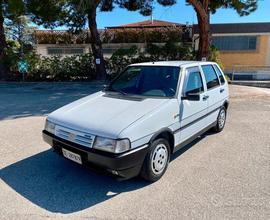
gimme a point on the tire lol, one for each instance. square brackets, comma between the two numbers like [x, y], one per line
[221, 120]
[156, 160]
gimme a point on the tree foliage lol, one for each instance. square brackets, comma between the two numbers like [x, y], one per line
[145, 7]
[9, 10]
[49, 13]
[20, 31]
[242, 7]
[12, 8]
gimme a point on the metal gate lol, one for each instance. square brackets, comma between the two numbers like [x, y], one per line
[250, 73]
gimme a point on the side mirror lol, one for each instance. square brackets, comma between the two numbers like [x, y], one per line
[191, 97]
[105, 87]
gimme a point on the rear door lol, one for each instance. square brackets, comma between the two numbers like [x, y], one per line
[223, 84]
[213, 93]
[192, 112]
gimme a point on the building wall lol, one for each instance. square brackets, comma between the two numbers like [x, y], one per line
[268, 55]
[108, 48]
[260, 57]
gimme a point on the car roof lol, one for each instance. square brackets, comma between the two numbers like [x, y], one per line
[179, 63]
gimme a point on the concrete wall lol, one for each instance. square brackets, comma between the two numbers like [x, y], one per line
[108, 49]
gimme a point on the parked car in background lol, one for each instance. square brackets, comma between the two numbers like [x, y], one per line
[144, 115]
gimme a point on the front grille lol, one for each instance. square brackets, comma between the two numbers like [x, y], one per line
[74, 136]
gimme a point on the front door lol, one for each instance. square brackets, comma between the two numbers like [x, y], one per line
[192, 112]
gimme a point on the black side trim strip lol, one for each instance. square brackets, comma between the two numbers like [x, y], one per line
[196, 120]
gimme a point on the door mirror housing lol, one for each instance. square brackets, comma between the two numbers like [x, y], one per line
[106, 87]
[191, 97]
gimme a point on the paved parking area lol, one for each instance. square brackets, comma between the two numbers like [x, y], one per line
[223, 176]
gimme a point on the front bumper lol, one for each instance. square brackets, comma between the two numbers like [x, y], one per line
[123, 166]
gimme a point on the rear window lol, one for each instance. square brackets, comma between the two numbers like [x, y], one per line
[210, 76]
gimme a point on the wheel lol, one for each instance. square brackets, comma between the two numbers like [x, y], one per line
[221, 120]
[156, 160]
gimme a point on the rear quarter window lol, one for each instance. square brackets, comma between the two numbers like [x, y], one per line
[220, 75]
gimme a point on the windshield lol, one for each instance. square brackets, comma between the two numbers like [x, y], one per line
[160, 81]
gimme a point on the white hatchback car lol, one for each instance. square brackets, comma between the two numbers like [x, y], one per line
[145, 114]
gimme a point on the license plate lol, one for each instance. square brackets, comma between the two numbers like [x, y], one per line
[72, 156]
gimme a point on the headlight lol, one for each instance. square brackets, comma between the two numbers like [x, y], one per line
[111, 145]
[49, 126]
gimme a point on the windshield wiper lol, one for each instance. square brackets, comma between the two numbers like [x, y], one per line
[116, 90]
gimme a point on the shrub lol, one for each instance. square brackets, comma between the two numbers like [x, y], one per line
[215, 57]
[80, 67]
[170, 51]
[120, 59]
[61, 37]
[142, 36]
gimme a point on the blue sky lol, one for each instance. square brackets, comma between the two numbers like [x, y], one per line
[180, 13]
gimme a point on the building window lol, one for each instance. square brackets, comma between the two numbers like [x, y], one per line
[109, 50]
[231, 43]
[64, 50]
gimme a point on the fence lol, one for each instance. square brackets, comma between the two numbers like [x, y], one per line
[250, 73]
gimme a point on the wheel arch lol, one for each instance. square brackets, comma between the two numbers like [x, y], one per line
[165, 133]
[226, 104]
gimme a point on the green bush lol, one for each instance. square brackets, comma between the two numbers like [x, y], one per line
[61, 37]
[142, 36]
[170, 51]
[215, 57]
[71, 68]
[120, 59]
[80, 67]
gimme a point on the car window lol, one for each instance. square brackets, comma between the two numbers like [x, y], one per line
[210, 76]
[220, 75]
[130, 79]
[160, 81]
[194, 82]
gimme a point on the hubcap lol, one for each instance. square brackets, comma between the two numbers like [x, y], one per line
[159, 159]
[221, 118]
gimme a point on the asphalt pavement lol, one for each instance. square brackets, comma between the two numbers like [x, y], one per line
[218, 176]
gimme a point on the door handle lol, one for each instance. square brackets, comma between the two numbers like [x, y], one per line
[221, 90]
[205, 97]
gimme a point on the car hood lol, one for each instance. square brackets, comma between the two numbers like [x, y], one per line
[104, 115]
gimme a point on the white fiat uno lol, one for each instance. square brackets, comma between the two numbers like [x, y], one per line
[145, 114]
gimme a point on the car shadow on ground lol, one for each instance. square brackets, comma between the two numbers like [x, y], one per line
[61, 186]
